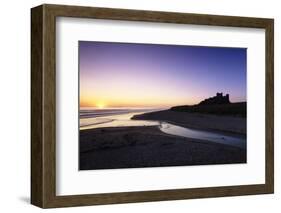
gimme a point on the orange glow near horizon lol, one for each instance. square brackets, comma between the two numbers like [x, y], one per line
[125, 91]
[134, 101]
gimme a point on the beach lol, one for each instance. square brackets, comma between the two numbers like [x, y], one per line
[148, 146]
[112, 139]
[227, 124]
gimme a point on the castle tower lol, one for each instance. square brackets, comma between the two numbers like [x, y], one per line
[227, 97]
[219, 94]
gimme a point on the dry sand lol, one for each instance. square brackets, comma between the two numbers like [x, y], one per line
[147, 146]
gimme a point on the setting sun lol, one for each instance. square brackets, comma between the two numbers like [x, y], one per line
[100, 105]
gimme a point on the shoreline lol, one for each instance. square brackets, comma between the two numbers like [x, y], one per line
[148, 146]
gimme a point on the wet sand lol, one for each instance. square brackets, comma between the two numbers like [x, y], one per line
[147, 146]
[227, 124]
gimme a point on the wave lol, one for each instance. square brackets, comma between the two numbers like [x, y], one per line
[93, 113]
[96, 122]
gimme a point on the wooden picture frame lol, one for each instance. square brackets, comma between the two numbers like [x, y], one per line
[43, 105]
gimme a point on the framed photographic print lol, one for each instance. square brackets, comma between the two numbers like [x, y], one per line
[137, 106]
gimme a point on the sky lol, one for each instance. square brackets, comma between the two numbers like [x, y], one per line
[153, 75]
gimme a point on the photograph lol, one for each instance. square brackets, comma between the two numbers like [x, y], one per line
[157, 105]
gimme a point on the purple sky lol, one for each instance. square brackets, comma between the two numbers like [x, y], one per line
[143, 75]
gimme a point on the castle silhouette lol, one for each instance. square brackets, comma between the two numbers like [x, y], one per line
[218, 99]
